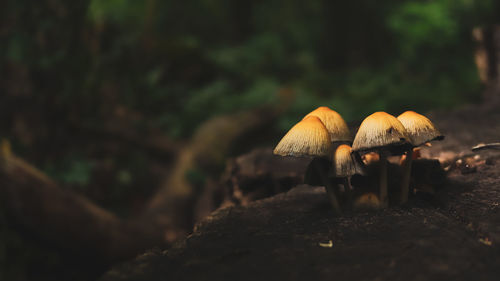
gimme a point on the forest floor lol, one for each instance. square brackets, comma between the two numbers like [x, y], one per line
[453, 234]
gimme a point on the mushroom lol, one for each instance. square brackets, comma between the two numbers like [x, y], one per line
[334, 123]
[383, 133]
[367, 201]
[343, 168]
[310, 138]
[420, 131]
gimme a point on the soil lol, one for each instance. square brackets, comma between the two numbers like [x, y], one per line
[452, 233]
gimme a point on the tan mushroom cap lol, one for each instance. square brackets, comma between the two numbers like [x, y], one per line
[343, 162]
[367, 201]
[333, 122]
[378, 130]
[419, 128]
[309, 137]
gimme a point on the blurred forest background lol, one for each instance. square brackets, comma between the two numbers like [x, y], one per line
[100, 94]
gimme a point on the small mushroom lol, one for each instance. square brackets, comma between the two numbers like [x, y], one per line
[343, 163]
[383, 133]
[344, 166]
[367, 201]
[334, 123]
[310, 138]
[420, 131]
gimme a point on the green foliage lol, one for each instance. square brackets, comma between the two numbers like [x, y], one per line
[196, 177]
[177, 63]
[262, 54]
[124, 12]
[430, 24]
[73, 170]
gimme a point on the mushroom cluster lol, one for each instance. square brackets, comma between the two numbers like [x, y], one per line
[324, 136]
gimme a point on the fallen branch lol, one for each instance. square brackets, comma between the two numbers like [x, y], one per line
[36, 204]
[482, 146]
[202, 161]
[72, 223]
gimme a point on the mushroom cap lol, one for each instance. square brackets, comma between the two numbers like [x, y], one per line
[367, 201]
[419, 128]
[333, 122]
[343, 162]
[380, 130]
[309, 137]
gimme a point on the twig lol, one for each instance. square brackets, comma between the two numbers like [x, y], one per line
[481, 146]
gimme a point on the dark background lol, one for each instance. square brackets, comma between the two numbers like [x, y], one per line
[101, 95]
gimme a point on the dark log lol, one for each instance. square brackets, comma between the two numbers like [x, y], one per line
[294, 236]
[261, 174]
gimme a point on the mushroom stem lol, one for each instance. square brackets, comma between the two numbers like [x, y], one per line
[348, 190]
[405, 182]
[383, 180]
[330, 191]
[348, 183]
